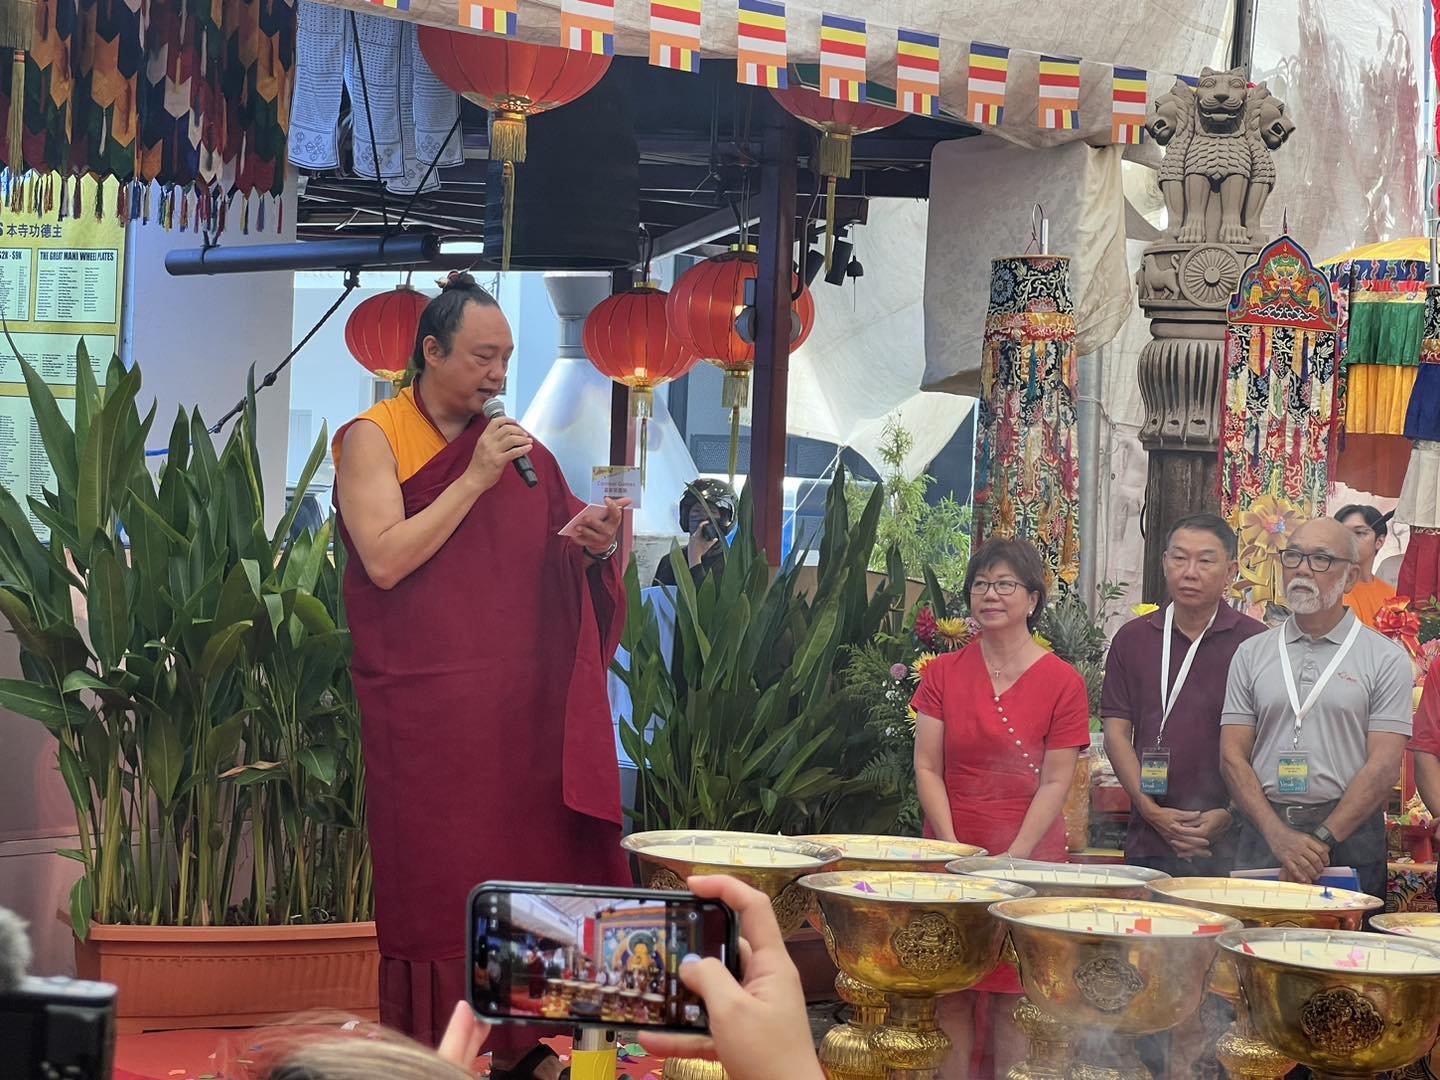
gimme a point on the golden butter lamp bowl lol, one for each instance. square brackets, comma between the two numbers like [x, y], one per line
[1266, 903]
[771, 864]
[1132, 967]
[1342, 1003]
[862, 851]
[1413, 924]
[1062, 879]
[911, 934]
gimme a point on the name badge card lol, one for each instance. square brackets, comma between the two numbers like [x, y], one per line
[615, 482]
[1155, 771]
[1294, 772]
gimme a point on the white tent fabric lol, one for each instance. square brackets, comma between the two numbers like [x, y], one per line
[981, 194]
[863, 362]
[1158, 35]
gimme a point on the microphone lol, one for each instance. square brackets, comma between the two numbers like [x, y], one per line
[494, 410]
[14, 951]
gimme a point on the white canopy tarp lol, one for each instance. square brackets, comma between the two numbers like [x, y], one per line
[863, 362]
[1158, 35]
[982, 192]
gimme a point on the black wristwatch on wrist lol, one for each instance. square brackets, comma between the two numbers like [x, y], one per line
[1325, 836]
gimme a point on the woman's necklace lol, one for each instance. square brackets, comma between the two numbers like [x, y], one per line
[998, 666]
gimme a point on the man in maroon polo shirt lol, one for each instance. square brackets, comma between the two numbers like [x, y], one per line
[1164, 739]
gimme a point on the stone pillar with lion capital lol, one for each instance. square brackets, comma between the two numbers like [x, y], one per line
[1216, 177]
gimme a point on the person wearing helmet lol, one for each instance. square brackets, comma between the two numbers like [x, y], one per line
[707, 512]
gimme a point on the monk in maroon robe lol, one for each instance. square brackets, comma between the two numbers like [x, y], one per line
[482, 639]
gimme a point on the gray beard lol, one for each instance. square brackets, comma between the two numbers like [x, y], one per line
[1309, 601]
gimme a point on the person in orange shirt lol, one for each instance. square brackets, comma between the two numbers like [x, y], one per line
[1370, 528]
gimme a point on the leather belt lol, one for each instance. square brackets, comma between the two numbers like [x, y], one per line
[1298, 815]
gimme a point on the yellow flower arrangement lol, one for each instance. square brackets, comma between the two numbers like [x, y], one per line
[921, 663]
[1141, 610]
[953, 632]
[1264, 528]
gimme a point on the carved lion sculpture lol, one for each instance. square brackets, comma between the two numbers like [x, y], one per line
[1217, 161]
[1268, 127]
[1171, 122]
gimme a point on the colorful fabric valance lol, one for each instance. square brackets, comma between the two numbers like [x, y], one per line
[189, 94]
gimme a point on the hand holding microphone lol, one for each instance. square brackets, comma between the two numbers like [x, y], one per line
[503, 442]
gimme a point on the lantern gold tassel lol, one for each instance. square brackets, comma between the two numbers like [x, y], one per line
[17, 32]
[507, 142]
[835, 155]
[642, 405]
[508, 214]
[735, 395]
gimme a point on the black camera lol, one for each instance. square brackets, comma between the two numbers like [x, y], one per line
[51, 1028]
[57, 1029]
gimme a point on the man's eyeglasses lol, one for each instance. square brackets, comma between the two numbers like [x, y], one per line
[999, 588]
[1320, 561]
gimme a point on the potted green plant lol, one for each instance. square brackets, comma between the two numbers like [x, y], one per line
[746, 726]
[205, 726]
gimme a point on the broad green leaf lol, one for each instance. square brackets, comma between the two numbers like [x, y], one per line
[220, 649]
[84, 680]
[319, 762]
[82, 907]
[73, 773]
[55, 431]
[164, 757]
[37, 702]
[109, 609]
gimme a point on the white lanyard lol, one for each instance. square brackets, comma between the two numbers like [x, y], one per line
[1169, 697]
[1301, 711]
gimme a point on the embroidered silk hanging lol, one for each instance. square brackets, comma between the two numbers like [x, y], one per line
[1419, 505]
[1026, 468]
[193, 93]
[1279, 408]
[1381, 305]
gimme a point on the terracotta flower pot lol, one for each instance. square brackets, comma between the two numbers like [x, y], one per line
[232, 976]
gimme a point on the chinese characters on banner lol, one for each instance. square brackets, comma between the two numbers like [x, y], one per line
[60, 283]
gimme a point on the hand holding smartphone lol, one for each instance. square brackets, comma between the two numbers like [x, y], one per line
[581, 956]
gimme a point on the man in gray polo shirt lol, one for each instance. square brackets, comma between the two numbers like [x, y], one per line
[1317, 715]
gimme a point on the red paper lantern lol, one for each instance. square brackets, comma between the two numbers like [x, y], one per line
[838, 123]
[628, 339]
[514, 80]
[703, 309]
[380, 332]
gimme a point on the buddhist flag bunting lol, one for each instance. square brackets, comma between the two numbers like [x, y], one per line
[393, 5]
[917, 72]
[492, 16]
[1059, 93]
[1128, 122]
[760, 55]
[989, 71]
[675, 34]
[842, 58]
[1191, 81]
[588, 26]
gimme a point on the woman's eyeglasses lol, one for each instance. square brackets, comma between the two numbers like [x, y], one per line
[999, 588]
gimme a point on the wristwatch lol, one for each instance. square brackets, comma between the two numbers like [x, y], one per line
[1324, 835]
[607, 553]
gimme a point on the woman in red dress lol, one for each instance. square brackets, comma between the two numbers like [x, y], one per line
[998, 728]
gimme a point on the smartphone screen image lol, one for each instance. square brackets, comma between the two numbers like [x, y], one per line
[574, 956]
